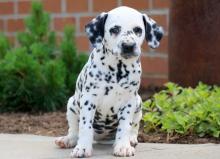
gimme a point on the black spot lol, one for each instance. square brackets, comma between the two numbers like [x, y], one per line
[111, 68]
[121, 118]
[99, 131]
[91, 74]
[119, 129]
[102, 58]
[119, 73]
[158, 34]
[89, 108]
[72, 110]
[129, 105]
[100, 73]
[128, 112]
[112, 109]
[87, 88]
[108, 121]
[106, 91]
[84, 122]
[148, 34]
[86, 102]
[94, 66]
[97, 126]
[92, 56]
[134, 83]
[83, 118]
[108, 78]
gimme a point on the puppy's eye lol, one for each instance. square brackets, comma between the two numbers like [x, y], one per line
[137, 31]
[115, 30]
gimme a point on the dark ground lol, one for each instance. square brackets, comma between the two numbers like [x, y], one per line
[55, 124]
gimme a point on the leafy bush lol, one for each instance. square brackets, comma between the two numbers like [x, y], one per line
[184, 110]
[4, 46]
[39, 74]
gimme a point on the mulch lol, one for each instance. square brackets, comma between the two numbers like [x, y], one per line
[55, 124]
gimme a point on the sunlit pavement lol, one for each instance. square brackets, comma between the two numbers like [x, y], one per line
[41, 147]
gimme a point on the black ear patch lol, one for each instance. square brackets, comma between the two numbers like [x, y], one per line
[96, 28]
[153, 32]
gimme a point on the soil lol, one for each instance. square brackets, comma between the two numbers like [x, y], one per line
[54, 124]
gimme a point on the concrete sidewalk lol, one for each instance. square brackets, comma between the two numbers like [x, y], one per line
[40, 147]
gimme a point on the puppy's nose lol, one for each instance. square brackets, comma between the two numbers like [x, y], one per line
[128, 48]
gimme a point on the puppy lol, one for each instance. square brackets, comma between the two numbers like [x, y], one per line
[106, 104]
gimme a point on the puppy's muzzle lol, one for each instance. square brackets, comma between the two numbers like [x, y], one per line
[128, 50]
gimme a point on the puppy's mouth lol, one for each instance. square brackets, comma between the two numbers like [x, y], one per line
[129, 55]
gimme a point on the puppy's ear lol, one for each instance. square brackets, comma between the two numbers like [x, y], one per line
[153, 32]
[96, 28]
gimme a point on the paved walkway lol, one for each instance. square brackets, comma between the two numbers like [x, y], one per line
[40, 147]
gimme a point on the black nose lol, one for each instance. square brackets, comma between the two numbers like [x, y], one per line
[128, 48]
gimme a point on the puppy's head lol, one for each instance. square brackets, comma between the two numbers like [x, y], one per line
[122, 31]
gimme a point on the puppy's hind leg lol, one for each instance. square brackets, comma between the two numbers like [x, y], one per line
[72, 115]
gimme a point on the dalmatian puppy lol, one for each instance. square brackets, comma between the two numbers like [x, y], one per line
[106, 104]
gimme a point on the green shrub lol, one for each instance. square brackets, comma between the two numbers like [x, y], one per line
[184, 110]
[73, 62]
[4, 45]
[38, 75]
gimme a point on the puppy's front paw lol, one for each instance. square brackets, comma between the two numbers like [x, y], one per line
[133, 140]
[81, 151]
[65, 142]
[123, 150]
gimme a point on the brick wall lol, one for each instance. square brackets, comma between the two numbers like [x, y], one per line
[80, 12]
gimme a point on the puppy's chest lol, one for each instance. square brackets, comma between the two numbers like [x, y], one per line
[114, 78]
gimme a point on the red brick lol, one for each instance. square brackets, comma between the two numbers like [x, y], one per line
[60, 23]
[1, 25]
[153, 81]
[83, 22]
[24, 7]
[53, 6]
[6, 8]
[161, 3]
[76, 5]
[152, 65]
[14, 25]
[145, 46]
[82, 43]
[161, 20]
[137, 4]
[104, 6]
